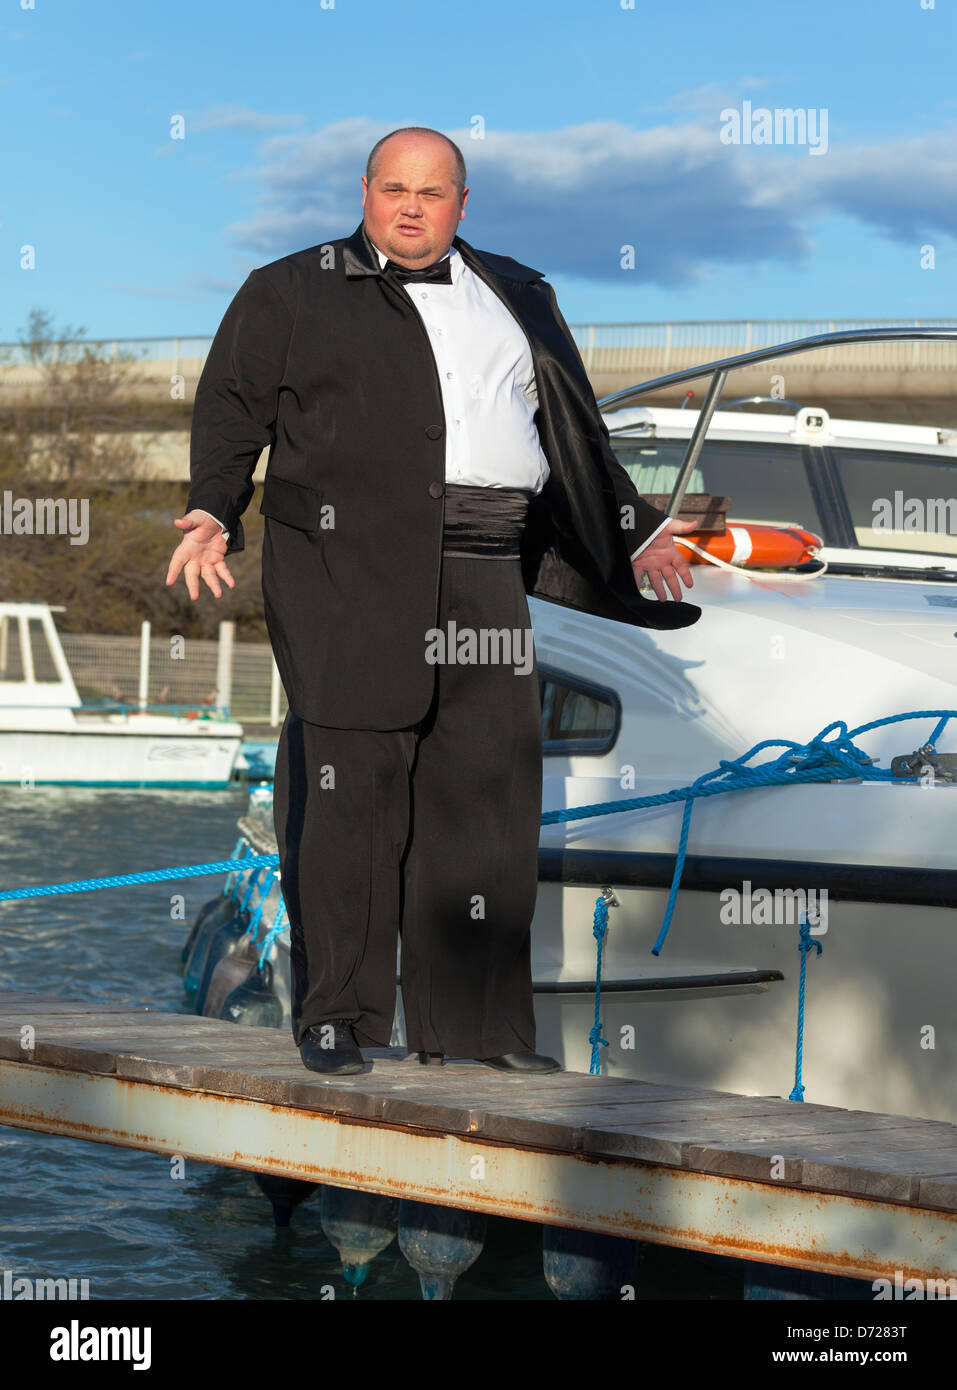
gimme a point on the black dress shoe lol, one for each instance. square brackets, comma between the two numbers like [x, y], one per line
[340, 1056]
[521, 1061]
[431, 1059]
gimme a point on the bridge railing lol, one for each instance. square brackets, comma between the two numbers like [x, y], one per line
[623, 346]
[15, 363]
[604, 346]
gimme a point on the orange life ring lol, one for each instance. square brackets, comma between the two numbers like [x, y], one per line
[753, 545]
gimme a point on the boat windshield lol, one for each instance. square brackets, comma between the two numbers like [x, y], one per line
[766, 482]
[861, 499]
[900, 501]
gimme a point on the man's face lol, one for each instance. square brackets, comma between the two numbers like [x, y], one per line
[411, 205]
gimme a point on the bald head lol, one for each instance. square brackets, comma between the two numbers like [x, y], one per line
[415, 138]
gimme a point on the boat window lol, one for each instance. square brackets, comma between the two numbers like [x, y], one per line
[11, 653]
[577, 717]
[900, 501]
[766, 482]
[43, 665]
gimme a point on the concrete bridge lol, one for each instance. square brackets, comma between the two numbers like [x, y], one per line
[909, 382]
[906, 382]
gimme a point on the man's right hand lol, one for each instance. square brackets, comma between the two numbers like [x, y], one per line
[201, 553]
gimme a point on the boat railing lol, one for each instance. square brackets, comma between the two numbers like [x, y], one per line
[132, 708]
[718, 372]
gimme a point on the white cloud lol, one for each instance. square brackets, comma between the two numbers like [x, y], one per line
[241, 118]
[566, 201]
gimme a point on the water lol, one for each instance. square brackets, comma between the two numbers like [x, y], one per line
[73, 1209]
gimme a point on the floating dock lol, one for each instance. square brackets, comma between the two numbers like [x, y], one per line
[754, 1177]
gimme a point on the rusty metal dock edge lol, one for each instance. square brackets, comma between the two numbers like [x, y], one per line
[772, 1222]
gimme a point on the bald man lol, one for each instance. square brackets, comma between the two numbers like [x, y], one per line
[435, 455]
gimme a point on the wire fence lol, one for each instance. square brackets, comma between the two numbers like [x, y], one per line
[181, 672]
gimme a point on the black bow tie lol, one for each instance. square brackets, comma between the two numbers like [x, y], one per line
[440, 272]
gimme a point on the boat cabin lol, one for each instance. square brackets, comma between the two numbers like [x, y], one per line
[33, 667]
[882, 497]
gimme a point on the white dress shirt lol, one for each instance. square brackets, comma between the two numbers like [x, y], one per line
[487, 381]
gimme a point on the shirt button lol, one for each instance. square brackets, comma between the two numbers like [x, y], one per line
[434, 432]
[448, 376]
[436, 489]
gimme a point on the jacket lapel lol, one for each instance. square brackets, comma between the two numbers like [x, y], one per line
[358, 255]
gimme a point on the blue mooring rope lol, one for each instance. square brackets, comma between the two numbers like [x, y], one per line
[252, 931]
[599, 928]
[231, 886]
[274, 931]
[805, 944]
[85, 885]
[820, 760]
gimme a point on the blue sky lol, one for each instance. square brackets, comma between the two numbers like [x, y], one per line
[601, 130]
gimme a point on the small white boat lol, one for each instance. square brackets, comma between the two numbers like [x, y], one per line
[48, 736]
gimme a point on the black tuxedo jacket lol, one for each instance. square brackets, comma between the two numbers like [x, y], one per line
[326, 362]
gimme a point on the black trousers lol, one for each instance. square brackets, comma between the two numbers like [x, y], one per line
[429, 831]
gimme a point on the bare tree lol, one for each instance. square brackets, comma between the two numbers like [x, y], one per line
[74, 439]
[80, 415]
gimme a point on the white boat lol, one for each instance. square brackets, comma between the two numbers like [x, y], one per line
[632, 712]
[48, 736]
[717, 1008]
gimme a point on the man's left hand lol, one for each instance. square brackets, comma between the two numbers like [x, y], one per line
[664, 563]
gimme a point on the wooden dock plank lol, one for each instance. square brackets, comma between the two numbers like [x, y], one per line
[938, 1192]
[18, 1001]
[892, 1174]
[399, 1094]
[531, 1124]
[93, 1045]
[893, 1164]
[898, 1158]
[792, 1122]
[188, 1051]
[750, 1158]
[485, 1104]
[208, 1054]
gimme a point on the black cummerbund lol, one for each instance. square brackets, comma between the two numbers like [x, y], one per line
[484, 521]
